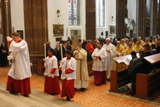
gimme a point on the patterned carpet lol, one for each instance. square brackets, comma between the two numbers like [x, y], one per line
[94, 96]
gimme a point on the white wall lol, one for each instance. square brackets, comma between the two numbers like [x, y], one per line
[132, 10]
[17, 16]
[62, 5]
[110, 11]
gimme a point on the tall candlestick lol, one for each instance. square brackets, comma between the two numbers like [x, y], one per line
[44, 50]
[61, 51]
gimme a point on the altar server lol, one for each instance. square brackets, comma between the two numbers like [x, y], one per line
[51, 85]
[68, 66]
[19, 79]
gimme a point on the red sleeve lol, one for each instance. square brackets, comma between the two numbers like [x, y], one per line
[53, 70]
[68, 70]
[10, 42]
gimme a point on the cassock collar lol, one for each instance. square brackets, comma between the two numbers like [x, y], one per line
[19, 40]
[51, 56]
[69, 58]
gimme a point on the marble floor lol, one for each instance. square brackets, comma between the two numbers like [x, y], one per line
[94, 96]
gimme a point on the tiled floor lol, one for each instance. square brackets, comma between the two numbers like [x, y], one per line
[94, 96]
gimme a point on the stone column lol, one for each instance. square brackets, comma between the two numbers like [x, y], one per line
[153, 18]
[6, 18]
[140, 4]
[1, 38]
[120, 16]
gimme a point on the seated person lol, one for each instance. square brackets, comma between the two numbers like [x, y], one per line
[154, 51]
[146, 66]
[133, 68]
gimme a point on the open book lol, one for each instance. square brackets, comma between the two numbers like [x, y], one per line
[127, 61]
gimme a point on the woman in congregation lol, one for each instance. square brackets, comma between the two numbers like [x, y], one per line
[51, 85]
[99, 64]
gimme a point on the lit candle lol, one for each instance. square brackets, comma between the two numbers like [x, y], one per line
[44, 50]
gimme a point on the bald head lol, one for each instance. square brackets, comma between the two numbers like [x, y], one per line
[107, 41]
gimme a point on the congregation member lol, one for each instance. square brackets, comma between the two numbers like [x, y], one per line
[158, 46]
[147, 50]
[51, 85]
[141, 42]
[134, 66]
[129, 48]
[19, 78]
[123, 44]
[82, 76]
[111, 52]
[147, 41]
[3, 55]
[99, 67]
[153, 47]
[138, 46]
[120, 49]
[68, 75]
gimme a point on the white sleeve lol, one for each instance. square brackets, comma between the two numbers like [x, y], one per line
[16, 47]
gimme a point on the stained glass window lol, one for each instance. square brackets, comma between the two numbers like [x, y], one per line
[100, 13]
[73, 12]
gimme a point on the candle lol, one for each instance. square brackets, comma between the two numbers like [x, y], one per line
[44, 50]
[61, 51]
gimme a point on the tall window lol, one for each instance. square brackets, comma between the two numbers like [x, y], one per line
[100, 13]
[73, 12]
[148, 9]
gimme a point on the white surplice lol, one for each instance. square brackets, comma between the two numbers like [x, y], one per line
[22, 68]
[109, 60]
[99, 65]
[51, 62]
[82, 76]
[71, 63]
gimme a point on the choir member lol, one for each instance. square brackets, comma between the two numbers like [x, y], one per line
[129, 48]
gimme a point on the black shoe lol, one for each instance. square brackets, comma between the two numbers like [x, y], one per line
[83, 89]
[108, 79]
[98, 84]
[68, 99]
[75, 89]
[26, 95]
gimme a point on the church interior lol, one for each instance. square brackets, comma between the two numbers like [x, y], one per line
[46, 23]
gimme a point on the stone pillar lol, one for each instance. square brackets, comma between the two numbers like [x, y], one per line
[6, 18]
[1, 37]
[153, 18]
[140, 4]
[120, 16]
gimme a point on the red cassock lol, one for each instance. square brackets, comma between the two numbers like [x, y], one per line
[51, 85]
[68, 86]
[19, 86]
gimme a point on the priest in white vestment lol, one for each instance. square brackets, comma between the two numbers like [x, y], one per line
[68, 66]
[111, 52]
[99, 67]
[82, 76]
[19, 77]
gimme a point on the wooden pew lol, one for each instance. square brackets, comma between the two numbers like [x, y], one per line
[145, 84]
[119, 77]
